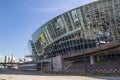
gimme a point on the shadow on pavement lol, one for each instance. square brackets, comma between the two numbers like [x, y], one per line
[17, 72]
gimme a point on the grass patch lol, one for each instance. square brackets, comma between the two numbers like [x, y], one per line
[104, 74]
[75, 74]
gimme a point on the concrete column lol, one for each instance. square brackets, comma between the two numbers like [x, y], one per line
[57, 63]
[98, 58]
[91, 60]
[51, 64]
[41, 64]
[5, 60]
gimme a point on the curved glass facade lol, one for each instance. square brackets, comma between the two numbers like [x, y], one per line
[84, 27]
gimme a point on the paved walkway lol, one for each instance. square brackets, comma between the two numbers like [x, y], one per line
[33, 77]
[18, 75]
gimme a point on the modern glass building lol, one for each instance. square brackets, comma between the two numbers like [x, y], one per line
[32, 50]
[84, 27]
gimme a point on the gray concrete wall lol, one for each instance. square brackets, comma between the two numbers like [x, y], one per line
[57, 63]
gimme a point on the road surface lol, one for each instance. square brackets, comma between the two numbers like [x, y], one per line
[20, 75]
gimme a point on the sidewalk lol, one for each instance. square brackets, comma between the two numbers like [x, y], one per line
[5, 77]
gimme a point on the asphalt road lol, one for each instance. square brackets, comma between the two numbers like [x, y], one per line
[20, 75]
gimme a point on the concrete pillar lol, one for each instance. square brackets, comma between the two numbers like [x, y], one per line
[41, 64]
[51, 64]
[57, 63]
[91, 60]
[5, 60]
[98, 58]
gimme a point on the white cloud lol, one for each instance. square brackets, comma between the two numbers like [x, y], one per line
[53, 9]
[63, 6]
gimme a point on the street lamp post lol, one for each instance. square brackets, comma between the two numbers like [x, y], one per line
[85, 62]
[84, 54]
[24, 55]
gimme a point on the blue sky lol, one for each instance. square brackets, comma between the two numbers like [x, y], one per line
[20, 18]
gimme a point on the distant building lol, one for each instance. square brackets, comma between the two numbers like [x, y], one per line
[6, 60]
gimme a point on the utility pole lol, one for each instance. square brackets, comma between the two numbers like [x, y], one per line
[24, 54]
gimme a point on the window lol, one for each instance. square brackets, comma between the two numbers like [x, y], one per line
[74, 15]
[60, 23]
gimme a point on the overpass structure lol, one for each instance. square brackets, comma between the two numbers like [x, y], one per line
[9, 64]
